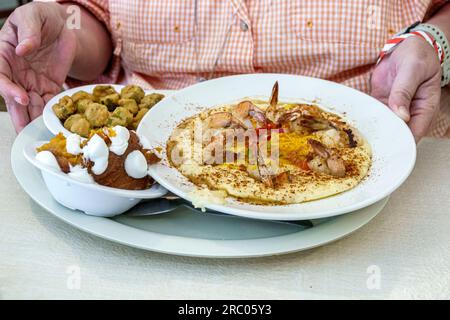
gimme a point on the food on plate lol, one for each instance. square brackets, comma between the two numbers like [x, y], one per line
[129, 104]
[83, 111]
[81, 95]
[97, 114]
[102, 90]
[82, 105]
[113, 157]
[132, 92]
[110, 101]
[202, 197]
[150, 100]
[78, 124]
[120, 117]
[64, 108]
[138, 117]
[270, 152]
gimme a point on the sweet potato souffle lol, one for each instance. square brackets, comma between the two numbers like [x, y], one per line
[114, 157]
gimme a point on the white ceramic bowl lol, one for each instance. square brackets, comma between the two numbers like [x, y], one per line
[393, 146]
[54, 124]
[93, 199]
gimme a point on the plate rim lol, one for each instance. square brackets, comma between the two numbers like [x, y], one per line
[293, 215]
[204, 248]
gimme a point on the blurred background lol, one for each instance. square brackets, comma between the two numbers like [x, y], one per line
[6, 7]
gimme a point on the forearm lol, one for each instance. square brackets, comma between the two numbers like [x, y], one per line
[94, 47]
[441, 19]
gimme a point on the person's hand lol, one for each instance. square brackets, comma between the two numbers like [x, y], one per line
[36, 53]
[409, 81]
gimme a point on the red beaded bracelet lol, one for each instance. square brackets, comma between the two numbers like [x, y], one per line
[393, 42]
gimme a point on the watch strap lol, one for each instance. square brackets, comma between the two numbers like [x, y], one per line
[443, 43]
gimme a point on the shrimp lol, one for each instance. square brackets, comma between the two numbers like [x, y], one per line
[271, 111]
[245, 110]
[219, 120]
[263, 172]
[326, 161]
[332, 138]
[222, 120]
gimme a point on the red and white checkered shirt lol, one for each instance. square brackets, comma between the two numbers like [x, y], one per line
[173, 43]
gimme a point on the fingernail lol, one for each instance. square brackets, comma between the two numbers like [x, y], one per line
[19, 100]
[403, 113]
[25, 43]
[24, 47]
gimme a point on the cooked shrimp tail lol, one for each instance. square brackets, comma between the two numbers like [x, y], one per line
[274, 97]
[271, 110]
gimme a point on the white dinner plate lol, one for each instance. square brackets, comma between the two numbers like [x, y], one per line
[183, 232]
[393, 146]
[54, 124]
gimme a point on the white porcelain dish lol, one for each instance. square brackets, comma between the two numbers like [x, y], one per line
[54, 124]
[393, 146]
[91, 198]
[183, 232]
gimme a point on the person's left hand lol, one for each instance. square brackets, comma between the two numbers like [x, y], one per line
[408, 80]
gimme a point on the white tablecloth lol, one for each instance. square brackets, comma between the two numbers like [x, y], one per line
[402, 253]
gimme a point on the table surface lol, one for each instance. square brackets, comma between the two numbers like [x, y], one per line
[402, 253]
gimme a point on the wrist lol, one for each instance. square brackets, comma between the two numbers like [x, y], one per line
[429, 34]
[444, 48]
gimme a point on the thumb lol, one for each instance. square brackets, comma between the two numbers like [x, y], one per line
[403, 89]
[28, 25]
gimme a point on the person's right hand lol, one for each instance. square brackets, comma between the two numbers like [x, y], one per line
[36, 53]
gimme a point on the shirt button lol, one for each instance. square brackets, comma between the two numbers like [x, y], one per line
[244, 25]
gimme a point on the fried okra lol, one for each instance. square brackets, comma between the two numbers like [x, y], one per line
[82, 111]
[110, 100]
[132, 92]
[82, 105]
[137, 119]
[78, 124]
[120, 117]
[80, 95]
[150, 100]
[130, 105]
[81, 99]
[102, 90]
[97, 114]
[81, 127]
[64, 108]
[70, 120]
